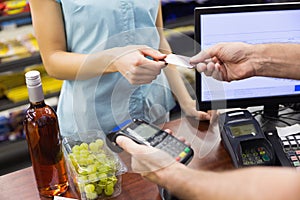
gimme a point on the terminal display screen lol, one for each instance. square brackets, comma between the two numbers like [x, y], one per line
[145, 131]
[240, 130]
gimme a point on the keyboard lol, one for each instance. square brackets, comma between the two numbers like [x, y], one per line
[291, 147]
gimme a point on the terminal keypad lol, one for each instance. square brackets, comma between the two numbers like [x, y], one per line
[174, 147]
[256, 155]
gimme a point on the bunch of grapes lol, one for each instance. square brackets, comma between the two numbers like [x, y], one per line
[95, 168]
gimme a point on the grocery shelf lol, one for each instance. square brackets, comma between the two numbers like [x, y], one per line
[20, 64]
[6, 18]
[6, 104]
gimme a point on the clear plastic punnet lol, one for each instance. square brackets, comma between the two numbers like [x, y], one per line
[94, 170]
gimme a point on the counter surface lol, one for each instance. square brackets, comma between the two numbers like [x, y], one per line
[204, 138]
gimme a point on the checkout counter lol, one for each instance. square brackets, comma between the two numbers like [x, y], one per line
[209, 155]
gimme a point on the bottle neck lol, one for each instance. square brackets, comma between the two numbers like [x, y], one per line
[40, 104]
[36, 95]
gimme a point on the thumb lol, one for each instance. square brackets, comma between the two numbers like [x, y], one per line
[129, 145]
[202, 56]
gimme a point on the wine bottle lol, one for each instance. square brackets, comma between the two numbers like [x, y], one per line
[44, 141]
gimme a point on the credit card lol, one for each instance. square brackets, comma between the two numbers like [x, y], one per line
[179, 60]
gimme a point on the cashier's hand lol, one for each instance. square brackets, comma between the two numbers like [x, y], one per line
[226, 61]
[135, 67]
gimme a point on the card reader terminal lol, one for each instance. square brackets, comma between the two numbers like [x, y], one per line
[145, 133]
[244, 140]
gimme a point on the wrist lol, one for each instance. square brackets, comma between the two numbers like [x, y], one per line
[179, 180]
[265, 60]
[166, 177]
[257, 60]
[161, 176]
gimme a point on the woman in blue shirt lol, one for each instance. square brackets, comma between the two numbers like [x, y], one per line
[100, 49]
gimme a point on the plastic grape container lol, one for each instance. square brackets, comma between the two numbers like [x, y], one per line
[93, 168]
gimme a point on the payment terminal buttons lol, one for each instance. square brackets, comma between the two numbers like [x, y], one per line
[255, 156]
[291, 147]
[175, 148]
[183, 154]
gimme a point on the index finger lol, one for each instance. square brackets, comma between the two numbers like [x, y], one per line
[156, 55]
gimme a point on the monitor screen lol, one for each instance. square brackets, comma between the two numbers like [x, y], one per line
[256, 23]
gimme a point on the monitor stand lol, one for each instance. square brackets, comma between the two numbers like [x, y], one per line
[271, 111]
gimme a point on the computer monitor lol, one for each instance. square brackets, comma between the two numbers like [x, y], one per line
[255, 23]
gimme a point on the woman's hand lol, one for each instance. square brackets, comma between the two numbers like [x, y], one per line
[189, 109]
[134, 65]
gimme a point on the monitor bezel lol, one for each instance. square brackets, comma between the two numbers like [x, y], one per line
[271, 102]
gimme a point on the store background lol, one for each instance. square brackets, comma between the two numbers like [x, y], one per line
[19, 53]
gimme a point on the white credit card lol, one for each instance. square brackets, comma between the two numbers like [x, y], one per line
[179, 60]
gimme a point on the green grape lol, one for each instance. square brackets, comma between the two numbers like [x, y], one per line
[82, 162]
[93, 156]
[109, 189]
[89, 188]
[91, 169]
[84, 153]
[90, 160]
[93, 177]
[101, 185]
[84, 146]
[102, 176]
[75, 148]
[101, 157]
[97, 163]
[103, 169]
[103, 181]
[92, 195]
[100, 143]
[76, 156]
[94, 147]
[99, 188]
[113, 179]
